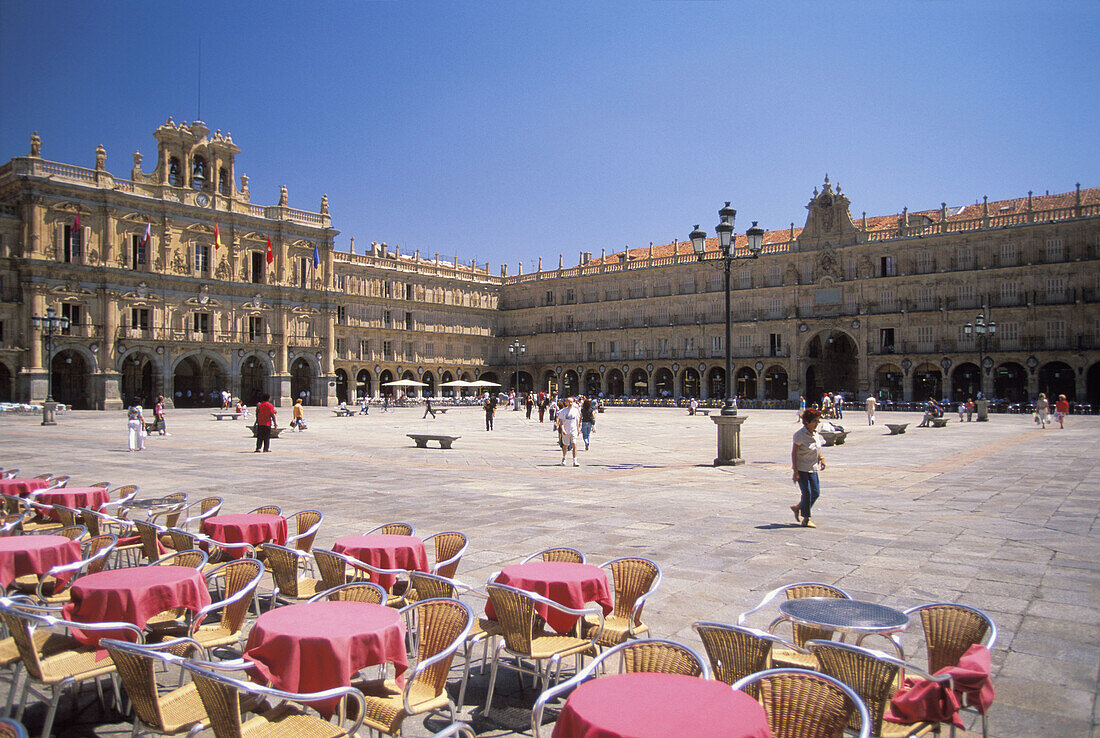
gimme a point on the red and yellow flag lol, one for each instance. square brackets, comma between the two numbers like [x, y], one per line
[217, 236]
[270, 253]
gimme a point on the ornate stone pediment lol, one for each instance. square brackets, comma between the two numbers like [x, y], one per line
[70, 289]
[303, 310]
[141, 295]
[256, 303]
[827, 266]
[829, 221]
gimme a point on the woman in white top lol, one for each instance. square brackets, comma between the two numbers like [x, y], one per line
[1042, 411]
[135, 424]
[806, 461]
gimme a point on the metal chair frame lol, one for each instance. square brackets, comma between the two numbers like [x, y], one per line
[574, 555]
[860, 706]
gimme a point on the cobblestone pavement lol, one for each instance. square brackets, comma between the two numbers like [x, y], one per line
[998, 515]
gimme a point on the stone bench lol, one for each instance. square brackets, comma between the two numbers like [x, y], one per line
[700, 411]
[220, 416]
[834, 438]
[896, 429]
[423, 438]
[939, 422]
[274, 431]
[343, 413]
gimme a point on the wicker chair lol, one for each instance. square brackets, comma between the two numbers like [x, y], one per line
[153, 543]
[442, 626]
[197, 511]
[266, 510]
[192, 558]
[455, 729]
[368, 592]
[129, 543]
[392, 529]
[875, 677]
[219, 551]
[305, 523]
[10, 524]
[806, 704]
[67, 515]
[424, 586]
[523, 636]
[646, 655]
[449, 547]
[9, 474]
[119, 496]
[180, 710]
[101, 485]
[284, 564]
[221, 696]
[170, 512]
[568, 555]
[332, 566]
[237, 580]
[736, 651]
[797, 659]
[48, 590]
[39, 518]
[949, 630]
[635, 579]
[58, 661]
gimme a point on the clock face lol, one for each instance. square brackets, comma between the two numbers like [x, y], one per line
[202, 199]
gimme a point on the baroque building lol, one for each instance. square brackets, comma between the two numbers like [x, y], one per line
[175, 283]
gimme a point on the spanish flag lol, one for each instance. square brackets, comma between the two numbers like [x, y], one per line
[270, 253]
[217, 236]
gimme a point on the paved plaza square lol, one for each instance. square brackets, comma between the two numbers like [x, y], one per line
[999, 515]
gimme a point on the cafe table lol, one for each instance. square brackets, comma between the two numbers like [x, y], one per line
[648, 705]
[567, 583]
[34, 555]
[848, 617]
[383, 551]
[133, 595]
[20, 487]
[74, 497]
[250, 528]
[314, 646]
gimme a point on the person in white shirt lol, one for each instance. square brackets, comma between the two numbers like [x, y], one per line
[567, 422]
[871, 404]
[806, 461]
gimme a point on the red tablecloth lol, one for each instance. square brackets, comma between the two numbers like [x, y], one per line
[572, 585]
[21, 487]
[37, 554]
[133, 595]
[316, 646]
[385, 552]
[74, 497]
[922, 700]
[254, 528]
[659, 705]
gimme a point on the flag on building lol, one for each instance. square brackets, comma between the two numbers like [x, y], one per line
[76, 222]
[148, 232]
[316, 257]
[217, 236]
[270, 253]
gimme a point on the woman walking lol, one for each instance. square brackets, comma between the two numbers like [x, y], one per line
[588, 421]
[158, 414]
[1061, 410]
[135, 423]
[806, 461]
[1042, 411]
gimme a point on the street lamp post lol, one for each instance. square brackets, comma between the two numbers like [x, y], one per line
[729, 424]
[982, 331]
[517, 348]
[50, 324]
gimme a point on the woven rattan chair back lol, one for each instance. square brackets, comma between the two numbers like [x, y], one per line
[223, 705]
[267, 510]
[94, 545]
[123, 492]
[182, 540]
[172, 518]
[734, 652]
[565, 554]
[73, 532]
[283, 564]
[516, 615]
[91, 522]
[332, 568]
[191, 558]
[949, 630]
[439, 624]
[392, 529]
[9, 474]
[60, 481]
[102, 485]
[447, 546]
[21, 628]
[803, 633]
[428, 586]
[660, 657]
[66, 515]
[873, 679]
[140, 682]
[303, 521]
[800, 706]
[237, 575]
[368, 592]
[9, 523]
[150, 547]
[14, 505]
[633, 577]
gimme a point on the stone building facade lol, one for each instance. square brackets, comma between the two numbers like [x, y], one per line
[176, 284]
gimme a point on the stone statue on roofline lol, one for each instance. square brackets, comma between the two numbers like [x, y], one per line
[282, 196]
[100, 157]
[36, 146]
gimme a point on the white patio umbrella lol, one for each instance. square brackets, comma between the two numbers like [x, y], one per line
[457, 383]
[405, 383]
[483, 383]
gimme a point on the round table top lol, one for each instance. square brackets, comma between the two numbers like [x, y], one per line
[134, 577]
[552, 571]
[37, 542]
[378, 540]
[647, 705]
[149, 503]
[242, 519]
[328, 620]
[837, 613]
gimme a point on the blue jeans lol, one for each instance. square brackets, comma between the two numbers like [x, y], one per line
[586, 429]
[811, 490]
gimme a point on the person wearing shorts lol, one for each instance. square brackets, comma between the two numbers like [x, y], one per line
[568, 418]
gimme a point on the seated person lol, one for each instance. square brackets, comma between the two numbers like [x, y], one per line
[241, 408]
[343, 407]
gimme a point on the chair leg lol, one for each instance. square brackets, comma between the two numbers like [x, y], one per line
[52, 713]
[492, 680]
[16, 671]
[23, 701]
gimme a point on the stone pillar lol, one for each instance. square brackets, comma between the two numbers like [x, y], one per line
[729, 439]
[907, 387]
[982, 406]
[107, 386]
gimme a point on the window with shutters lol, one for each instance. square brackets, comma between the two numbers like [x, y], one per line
[1008, 254]
[1056, 250]
[1009, 292]
[138, 248]
[965, 257]
[202, 258]
[73, 244]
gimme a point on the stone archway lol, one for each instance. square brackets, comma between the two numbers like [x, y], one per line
[1010, 382]
[198, 381]
[570, 384]
[663, 383]
[549, 383]
[746, 383]
[639, 383]
[966, 382]
[592, 385]
[70, 379]
[888, 383]
[429, 379]
[383, 379]
[6, 390]
[363, 384]
[927, 383]
[833, 365]
[341, 385]
[254, 375]
[616, 386]
[1092, 386]
[716, 383]
[775, 383]
[1057, 378]
[690, 386]
[301, 381]
[139, 379]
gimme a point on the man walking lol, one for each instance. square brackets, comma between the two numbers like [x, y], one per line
[871, 404]
[567, 422]
[265, 421]
[428, 409]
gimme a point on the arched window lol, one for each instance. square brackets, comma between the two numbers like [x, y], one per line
[198, 173]
[223, 181]
[174, 177]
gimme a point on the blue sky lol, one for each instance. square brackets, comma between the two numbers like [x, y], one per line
[505, 131]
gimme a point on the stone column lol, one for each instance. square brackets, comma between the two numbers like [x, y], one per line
[729, 439]
[33, 379]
